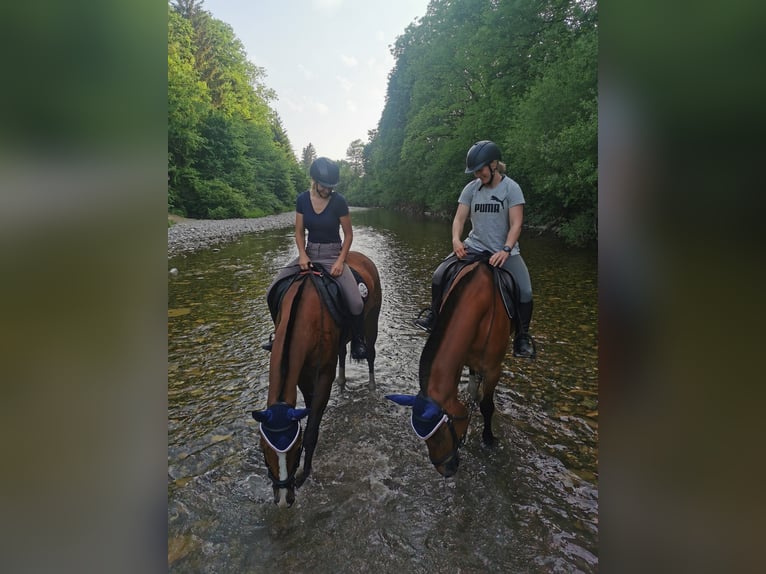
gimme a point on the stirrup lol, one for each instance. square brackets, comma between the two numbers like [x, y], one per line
[531, 349]
[267, 346]
[425, 322]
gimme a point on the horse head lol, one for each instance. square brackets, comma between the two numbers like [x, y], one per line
[282, 444]
[442, 432]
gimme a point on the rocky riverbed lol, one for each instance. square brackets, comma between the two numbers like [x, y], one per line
[188, 235]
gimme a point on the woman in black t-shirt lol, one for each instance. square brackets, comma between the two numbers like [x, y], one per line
[323, 212]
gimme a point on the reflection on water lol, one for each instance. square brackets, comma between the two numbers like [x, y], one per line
[374, 503]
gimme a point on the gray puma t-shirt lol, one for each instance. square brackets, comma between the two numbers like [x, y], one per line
[489, 213]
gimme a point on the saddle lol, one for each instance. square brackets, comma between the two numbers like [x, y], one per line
[329, 290]
[509, 291]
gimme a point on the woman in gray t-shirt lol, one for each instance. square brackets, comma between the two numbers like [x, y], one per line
[495, 205]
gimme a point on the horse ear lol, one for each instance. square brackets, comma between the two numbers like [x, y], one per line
[432, 410]
[297, 414]
[262, 416]
[405, 400]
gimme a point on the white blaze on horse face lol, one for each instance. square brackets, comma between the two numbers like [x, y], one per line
[282, 476]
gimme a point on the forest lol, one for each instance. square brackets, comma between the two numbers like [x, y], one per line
[522, 73]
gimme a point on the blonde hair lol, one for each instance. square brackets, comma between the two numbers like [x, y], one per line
[501, 167]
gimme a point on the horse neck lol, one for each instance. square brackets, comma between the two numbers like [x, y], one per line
[474, 302]
[301, 328]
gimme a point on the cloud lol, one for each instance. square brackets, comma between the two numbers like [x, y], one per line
[345, 83]
[293, 105]
[308, 74]
[349, 61]
[351, 106]
[321, 108]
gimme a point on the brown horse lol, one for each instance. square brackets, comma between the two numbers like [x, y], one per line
[369, 274]
[306, 347]
[472, 329]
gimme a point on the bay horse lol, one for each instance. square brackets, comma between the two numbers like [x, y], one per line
[471, 329]
[307, 344]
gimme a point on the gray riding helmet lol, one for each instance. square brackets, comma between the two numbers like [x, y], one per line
[480, 154]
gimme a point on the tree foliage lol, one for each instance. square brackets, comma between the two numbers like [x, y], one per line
[519, 72]
[228, 153]
[308, 156]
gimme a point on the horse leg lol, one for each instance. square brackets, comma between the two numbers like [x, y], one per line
[371, 336]
[340, 380]
[487, 407]
[311, 435]
[473, 384]
[371, 367]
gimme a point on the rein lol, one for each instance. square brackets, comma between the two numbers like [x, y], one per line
[314, 275]
[456, 443]
[289, 482]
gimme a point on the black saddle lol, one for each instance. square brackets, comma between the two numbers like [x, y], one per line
[509, 291]
[329, 290]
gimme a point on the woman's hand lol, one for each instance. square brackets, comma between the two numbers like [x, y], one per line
[337, 268]
[458, 248]
[304, 262]
[498, 258]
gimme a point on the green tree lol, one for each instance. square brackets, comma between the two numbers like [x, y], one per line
[519, 72]
[308, 156]
[225, 143]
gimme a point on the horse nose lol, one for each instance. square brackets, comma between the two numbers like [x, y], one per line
[284, 497]
[450, 468]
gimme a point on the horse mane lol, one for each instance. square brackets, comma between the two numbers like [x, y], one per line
[285, 364]
[440, 327]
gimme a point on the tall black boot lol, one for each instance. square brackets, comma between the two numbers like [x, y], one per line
[358, 344]
[427, 317]
[523, 345]
[268, 344]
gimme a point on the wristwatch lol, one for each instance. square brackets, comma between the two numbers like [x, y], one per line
[506, 249]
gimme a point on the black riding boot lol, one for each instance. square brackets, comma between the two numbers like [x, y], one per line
[523, 345]
[269, 344]
[425, 320]
[427, 317]
[358, 345]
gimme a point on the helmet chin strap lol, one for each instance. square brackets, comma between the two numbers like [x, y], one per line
[491, 176]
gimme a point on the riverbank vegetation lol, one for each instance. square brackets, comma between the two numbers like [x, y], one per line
[522, 73]
[228, 155]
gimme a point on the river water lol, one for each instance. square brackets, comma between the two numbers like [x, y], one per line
[374, 503]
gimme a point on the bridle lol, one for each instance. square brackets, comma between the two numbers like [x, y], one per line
[456, 442]
[289, 482]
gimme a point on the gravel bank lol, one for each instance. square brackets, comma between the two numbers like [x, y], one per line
[189, 235]
[194, 234]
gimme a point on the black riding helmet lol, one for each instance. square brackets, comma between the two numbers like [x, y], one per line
[480, 154]
[325, 172]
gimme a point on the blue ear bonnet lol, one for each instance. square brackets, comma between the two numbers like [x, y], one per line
[280, 426]
[427, 416]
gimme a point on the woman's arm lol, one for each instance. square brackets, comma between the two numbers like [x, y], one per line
[515, 217]
[300, 241]
[458, 224]
[348, 238]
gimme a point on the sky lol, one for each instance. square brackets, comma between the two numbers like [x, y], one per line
[327, 60]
